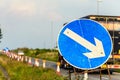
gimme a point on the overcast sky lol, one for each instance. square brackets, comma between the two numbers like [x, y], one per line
[36, 23]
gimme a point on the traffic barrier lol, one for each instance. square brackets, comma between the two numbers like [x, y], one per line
[44, 63]
[114, 66]
[36, 62]
[116, 56]
[15, 56]
[12, 55]
[18, 58]
[26, 59]
[58, 68]
[29, 61]
[7, 53]
[22, 58]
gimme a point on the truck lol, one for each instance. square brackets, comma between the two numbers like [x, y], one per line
[112, 24]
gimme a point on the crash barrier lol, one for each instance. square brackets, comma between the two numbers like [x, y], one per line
[114, 66]
[31, 61]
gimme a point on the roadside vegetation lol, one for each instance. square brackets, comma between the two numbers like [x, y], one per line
[47, 54]
[2, 75]
[117, 70]
[22, 71]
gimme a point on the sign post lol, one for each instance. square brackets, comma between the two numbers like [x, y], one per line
[84, 44]
[85, 76]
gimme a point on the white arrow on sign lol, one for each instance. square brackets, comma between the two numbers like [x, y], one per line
[96, 50]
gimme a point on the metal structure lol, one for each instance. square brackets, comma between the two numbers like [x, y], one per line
[112, 23]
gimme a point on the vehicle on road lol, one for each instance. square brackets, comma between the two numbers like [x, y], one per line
[112, 24]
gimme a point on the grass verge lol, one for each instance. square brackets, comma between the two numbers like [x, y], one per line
[117, 70]
[51, 56]
[22, 71]
[2, 76]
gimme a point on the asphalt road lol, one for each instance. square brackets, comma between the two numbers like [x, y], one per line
[64, 72]
[114, 76]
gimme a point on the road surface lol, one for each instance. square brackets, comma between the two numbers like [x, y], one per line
[64, 72]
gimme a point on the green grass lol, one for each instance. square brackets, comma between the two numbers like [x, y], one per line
[22, 71]
[47, 54]
[51, 56]
[2, 76]
[117, 70]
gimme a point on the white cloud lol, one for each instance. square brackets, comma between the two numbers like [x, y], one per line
[54, 16]
[48, 9]
[22, 8]
[2, 2]
[25, 8]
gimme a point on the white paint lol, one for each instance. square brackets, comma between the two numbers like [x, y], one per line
[96, 50]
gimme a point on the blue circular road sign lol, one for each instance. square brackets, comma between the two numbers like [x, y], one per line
[85, 44]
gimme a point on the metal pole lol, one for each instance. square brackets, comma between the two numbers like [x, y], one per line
[100, 74]
[75, 73]
[108, 72]
[85, 75]
[69, 75]
[113, 43]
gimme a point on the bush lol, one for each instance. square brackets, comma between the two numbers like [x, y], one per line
[48, 54]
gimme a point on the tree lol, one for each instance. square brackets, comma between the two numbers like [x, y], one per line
[0, 34]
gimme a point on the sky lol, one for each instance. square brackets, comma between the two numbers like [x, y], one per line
[36, 23]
